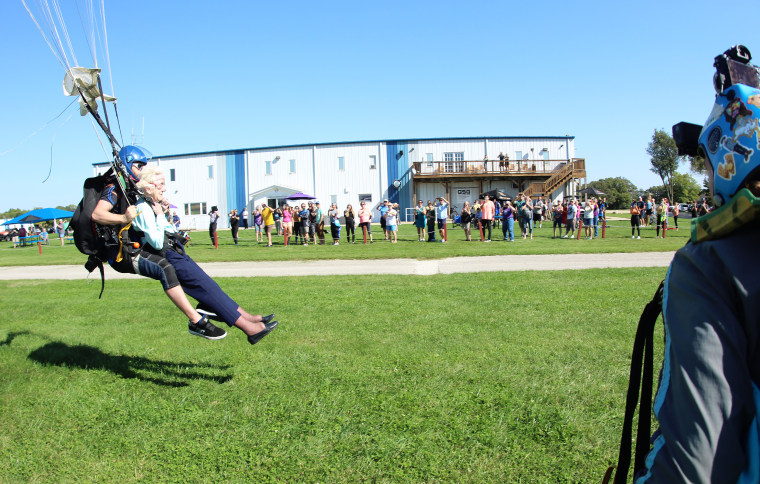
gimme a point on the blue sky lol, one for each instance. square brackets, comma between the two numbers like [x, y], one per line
[213, 75]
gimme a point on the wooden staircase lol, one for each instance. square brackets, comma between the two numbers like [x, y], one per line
[575, 168]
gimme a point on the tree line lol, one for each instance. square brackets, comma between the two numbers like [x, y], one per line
[665, 162]
[15, 212]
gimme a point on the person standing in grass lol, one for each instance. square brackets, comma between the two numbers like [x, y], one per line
[661, 214]
[334, 217]
[234, 224]
[526, 215]
[257, 221]
[430, 215]
[296, 216]
[244, 218]
[287, 223]
[383, 209]
[465, 218]
[508, 221]
[391, 223]
[213, 220]
[350, 218]
[305, 224]
[538, 213]
[419, 220]
[267, 220]
[676, 211]
[588, 217]
[488, 213]
[635, 222]
[570, 218]
[320, 223]
[557, 213]
[365, 220]
[442, 215]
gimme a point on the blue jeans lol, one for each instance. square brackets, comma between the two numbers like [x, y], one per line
[528, 225]
[508, 228]
[596, 226]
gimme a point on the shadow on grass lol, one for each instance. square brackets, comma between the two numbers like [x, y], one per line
[91, 358]
[12, 336]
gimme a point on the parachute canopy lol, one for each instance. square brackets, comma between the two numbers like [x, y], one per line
[84, 79]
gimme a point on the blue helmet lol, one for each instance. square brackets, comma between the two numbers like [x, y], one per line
[131, 154]
[730, 139]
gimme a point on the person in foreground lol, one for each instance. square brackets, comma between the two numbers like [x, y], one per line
[107, 214]
[159, 236]
[708, 401]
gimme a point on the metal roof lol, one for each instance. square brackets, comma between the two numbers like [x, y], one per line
[387, 141]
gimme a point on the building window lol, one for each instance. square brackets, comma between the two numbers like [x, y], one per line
[372, 162]
[267, 167]
[198, 208]
[366, 197]
[454, 162]
[429, 159]
[292, 166]
[172, 175]
[341, 163]
[545, 154]
[333, 199]
[518, 155]
[211, 172]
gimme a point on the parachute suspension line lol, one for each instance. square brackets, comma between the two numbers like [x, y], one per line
[57, 53]
[91, 30]
[108, 66]
[38, 130]
[52, 142]
[108, 55]
[59, 15]
[118, 122]
[112, 161]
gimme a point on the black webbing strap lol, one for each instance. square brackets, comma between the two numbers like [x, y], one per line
[90, 265]
[643, 352]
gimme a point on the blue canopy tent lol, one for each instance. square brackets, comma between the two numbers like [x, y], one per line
[40, 215]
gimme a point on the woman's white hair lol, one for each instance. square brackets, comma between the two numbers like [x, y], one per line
[148, 177]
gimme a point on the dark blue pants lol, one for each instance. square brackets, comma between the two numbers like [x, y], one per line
[200, 286]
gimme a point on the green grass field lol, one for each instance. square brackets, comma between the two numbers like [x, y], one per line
[618, 239]
[497, 377]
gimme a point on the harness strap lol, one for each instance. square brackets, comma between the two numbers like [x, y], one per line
[642, 355]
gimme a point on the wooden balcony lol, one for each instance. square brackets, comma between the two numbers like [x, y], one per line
[551, 173]
[492, 169]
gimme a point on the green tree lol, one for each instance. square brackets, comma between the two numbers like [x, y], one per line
[685, 189]
[696, 165]
[619, 191]
[664, 153]
[14, 212]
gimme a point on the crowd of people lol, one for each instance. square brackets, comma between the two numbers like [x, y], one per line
[306, 223]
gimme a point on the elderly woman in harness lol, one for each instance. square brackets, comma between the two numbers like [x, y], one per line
[161, 254]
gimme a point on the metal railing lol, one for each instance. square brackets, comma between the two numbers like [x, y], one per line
[489, 167]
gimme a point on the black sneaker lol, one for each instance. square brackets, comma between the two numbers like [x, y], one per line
[205, 329]
[204, 310]
[255, 338]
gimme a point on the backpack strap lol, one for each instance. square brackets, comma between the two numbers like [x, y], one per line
[90, 265]
[643, 354]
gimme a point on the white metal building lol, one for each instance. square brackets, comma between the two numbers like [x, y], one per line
[401, 171]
